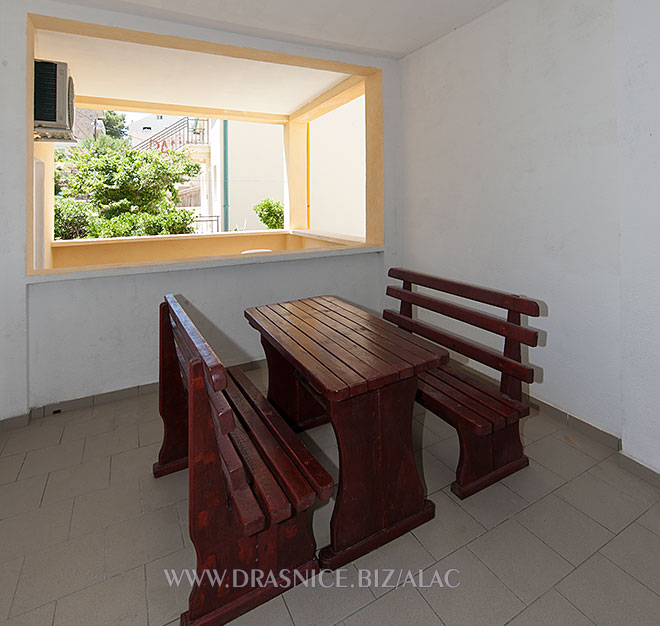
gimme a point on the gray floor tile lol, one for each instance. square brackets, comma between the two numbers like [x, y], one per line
[565, 529]
[435, 424]
[33, 531]
[99, 509]
[131, 465]
[321, 514]
[166, 603]
[552, 609]
[89, 427]
[433, 473]
[400, 606]
[602, 502]
[150, 432]
[142, 539]
[613, 474]
[118, 601]
[480, 599]
[637, 551]
[560, 458]
[120, 440]
[447, 451]
[158, 492]
[52, 459]
[10, 466]
[520, 560]
[404, 553]
[78, 480]
[537, 426]
[43, 616]
[492, 505]
[609, 596]
[21, 496]
[450, 529]
[273, 613]
[651, 519]
[584, 443]
[59, 571]
[422, 437]
[315, 605]
[9, 573]
[533, 482]
[33, 437]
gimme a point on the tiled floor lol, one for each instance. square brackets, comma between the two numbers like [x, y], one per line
[86, 532]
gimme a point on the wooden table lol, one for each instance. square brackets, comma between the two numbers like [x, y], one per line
[329, 360]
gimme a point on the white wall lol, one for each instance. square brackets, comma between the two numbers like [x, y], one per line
[91, 335]
[256, 170]
[510, 181]
[639, 132]
[338, 171]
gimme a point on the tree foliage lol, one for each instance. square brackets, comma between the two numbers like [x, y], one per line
[107, 189]
[115, 124]
[270, 213]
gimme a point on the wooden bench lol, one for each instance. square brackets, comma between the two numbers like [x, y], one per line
[251, 478]
[486, 419]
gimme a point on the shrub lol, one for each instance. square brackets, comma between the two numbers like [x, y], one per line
[172, 222]
[72, 218]
[270, 213]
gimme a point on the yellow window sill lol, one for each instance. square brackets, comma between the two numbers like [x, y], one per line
[123, 255]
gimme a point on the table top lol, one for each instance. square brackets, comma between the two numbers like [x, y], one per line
[341, 350]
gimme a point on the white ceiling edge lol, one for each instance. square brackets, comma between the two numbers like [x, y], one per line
[385, 28]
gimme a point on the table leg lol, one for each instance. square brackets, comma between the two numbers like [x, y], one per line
[380, 495]
[288, 395]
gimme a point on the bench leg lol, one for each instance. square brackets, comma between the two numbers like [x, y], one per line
[172, 402]
[486, 459]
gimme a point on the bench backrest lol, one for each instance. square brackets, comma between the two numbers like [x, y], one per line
[509, 363]
[230, 428]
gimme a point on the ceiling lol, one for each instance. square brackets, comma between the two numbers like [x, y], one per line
[129, 71]
[386, 27]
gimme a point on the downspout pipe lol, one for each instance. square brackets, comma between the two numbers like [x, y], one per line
[225, 176]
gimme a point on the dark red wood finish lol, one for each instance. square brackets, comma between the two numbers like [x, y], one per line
[486, 420]
[330, 360]
[251, 479]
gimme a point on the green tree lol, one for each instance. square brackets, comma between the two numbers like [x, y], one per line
[270, 213]
[128, 180]
[107, 189]
[115, 124]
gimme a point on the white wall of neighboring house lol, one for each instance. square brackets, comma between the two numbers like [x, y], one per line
[63, 337]
[338, 171]
[138, 130]
[256, 170]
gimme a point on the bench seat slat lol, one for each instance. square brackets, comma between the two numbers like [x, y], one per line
[273, 501]
[299, 492]
[457, 344]
[459, 379]
[498, 421]
[450, 410]
[313, 471]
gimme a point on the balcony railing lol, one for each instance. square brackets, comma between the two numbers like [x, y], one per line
[184, 132]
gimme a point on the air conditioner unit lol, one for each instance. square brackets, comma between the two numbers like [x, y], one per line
[53, 101]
